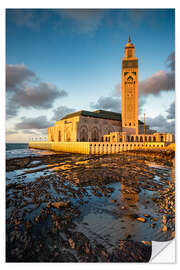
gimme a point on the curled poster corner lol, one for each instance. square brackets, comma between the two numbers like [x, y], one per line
[163, 252]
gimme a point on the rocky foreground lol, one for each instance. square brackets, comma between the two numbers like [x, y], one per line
[48, 195]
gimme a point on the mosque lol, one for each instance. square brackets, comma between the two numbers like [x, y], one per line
[106, 126]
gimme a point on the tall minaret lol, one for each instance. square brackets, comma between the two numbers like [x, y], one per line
[129, 90]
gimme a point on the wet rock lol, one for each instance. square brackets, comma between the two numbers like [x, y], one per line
[154, 219]
[28, 224]
[131, 251]
[36, 219]
[164, 219]
[147, 243]
[68, 257]
[164, 228]
[134, 216]
[147, 215]
[128, 236]
[71, 243]
[102, 253]
[58, 205]
[141, 219]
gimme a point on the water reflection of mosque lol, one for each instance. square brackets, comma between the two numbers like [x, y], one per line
[129, 189]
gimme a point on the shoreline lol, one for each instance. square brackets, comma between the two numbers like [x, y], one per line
[52, 201]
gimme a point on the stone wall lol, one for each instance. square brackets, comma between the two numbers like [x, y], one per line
[82, 129]
[94, 147]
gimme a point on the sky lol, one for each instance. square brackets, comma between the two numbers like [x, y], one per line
[60, 60]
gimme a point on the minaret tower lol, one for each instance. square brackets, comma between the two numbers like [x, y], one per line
[129, 90]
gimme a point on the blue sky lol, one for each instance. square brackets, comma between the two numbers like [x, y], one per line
[59, 61]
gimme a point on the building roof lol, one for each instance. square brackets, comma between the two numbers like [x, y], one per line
[96, 114]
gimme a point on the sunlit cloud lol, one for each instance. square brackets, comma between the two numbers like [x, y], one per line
[25, 90]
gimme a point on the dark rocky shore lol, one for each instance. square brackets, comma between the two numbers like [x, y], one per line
[48, 198]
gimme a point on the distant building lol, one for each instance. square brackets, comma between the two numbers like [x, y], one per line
[100, 125]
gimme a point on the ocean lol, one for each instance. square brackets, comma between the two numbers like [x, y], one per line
[18, 150]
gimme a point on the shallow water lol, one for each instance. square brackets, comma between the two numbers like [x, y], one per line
[18, 150]
[107, 217]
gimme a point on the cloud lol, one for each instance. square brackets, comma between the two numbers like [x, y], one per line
[11, 109]
[118, 89]
[30, 132]
[161, 124]
[161, 80]
[82, 20]
[11, 132]
[40, 96]
[85, 20]
[131, 19]
[17, 76]
[25, 90]
[141, 103]
[113, 104]
[107, 103]
[158, 82]
[126, 18]
[33, 123]
[31, 18]
[171, 111]
[171, 61]
[61, 111]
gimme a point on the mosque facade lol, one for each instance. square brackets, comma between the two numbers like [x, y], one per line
[106, 126]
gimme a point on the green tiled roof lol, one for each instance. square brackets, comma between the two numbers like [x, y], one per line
[97, 114]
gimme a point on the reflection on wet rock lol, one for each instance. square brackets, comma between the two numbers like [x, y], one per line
[77, 208]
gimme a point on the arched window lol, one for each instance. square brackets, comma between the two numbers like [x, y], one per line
[154, 139]
[84, 134]
[149, 138]
[132, 139]
[145, 138]
[162, 138]
[141, 139]
[127, 138]
[137, 139]
[95, 135]
[68, 135]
